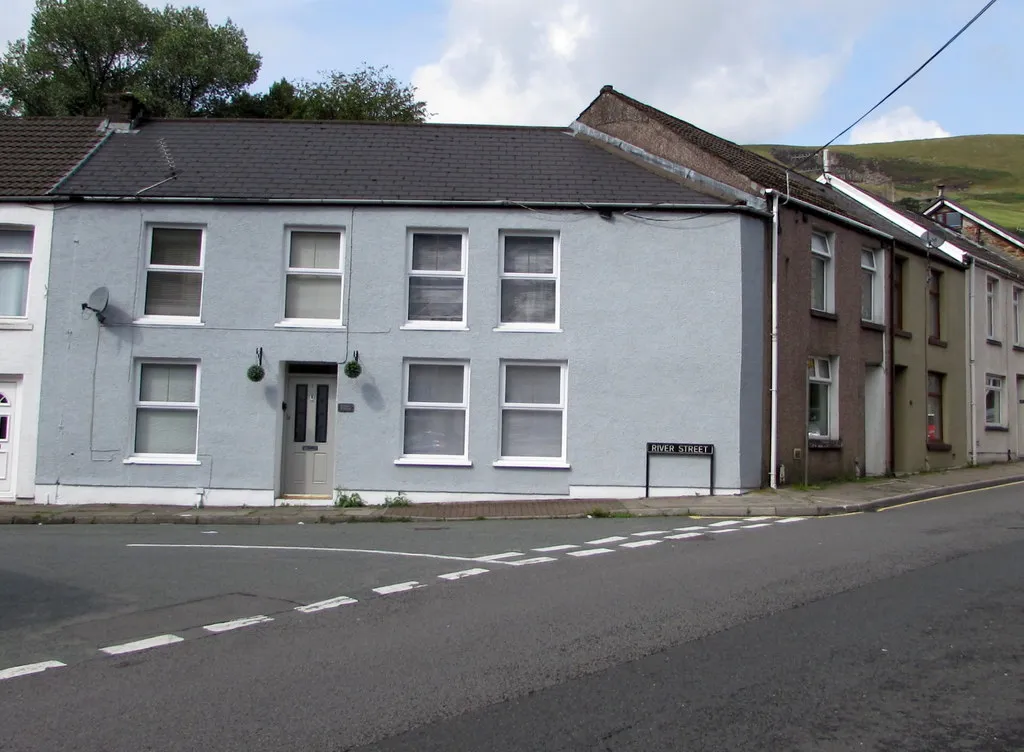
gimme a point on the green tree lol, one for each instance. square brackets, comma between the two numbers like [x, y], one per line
[370, 93]
[78, 51]
[193, 64]
[281, 102]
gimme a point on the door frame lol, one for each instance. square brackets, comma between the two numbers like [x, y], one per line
[12, 388]
[292, 371]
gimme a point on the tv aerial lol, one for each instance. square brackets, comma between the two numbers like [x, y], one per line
[97, 303]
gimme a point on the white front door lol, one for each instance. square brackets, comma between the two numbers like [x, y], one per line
[309, 436]
[875, 438]
[1020, 415]
[8, 445]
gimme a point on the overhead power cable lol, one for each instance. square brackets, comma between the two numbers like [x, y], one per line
[903, 83]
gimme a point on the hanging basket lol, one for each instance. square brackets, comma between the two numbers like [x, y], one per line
[255, 373]
[353, 368]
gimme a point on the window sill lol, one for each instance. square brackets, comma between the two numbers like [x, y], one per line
[426, 461]
[827, 315]
[157, 460]
[998, 429]
[872, 326]
[310, 324]
[538, 464]
[821, 443]
[903, 333]
[428, 327]
[938, 446]
[167, 321]
[16, 325]
[937, 342]
[524, 328]
[990, 341]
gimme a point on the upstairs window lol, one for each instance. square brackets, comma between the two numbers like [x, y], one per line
[951, 219]
[934, 304]
[992, 308]
[315, 282]
[1018, 311]
[15, 259]
[437, 280]
[898, 269]
[822, 284]
[174, 273]
[870, 299]
[529, 281]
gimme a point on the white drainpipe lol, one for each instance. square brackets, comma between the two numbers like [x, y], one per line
[773, 479]
[972, 365]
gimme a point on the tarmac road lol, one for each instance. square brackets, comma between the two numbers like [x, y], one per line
[896, 630]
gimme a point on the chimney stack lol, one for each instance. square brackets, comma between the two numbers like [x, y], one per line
[824, 161]
[121, 111]
[942, 189]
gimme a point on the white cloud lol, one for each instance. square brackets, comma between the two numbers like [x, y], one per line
[727, 66]
[902, 124]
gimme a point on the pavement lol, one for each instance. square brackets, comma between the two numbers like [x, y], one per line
[868, 494]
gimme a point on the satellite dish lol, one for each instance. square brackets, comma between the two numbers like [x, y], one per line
[932, 239]
[97, 303]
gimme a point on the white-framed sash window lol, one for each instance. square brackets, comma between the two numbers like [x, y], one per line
[315, 279]
[529, 280]
[174, 273]
[821, 398]
[533, 413]
[437, 279]
[436, 412]
[15, 263]
[822, 273]
[166, 410]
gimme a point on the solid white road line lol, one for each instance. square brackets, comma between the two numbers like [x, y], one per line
[640, 544]
[149, 642]
[787, 520]
[31, 668]
[602, 541]
[760, 524]
[302, 548]
[463, 573]
[312, 608]
[725, 523]
[535, 560]
[227, 626]
[683, 536]
[401, 587]
[551, 549]
[591, 552]
[650, 532]
[498, 557]
[691, 529]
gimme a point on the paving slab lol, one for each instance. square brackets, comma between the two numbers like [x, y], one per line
[793, 501]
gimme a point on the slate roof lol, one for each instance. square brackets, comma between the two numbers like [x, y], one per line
[36, 153]
[759, 169]
[307, 160]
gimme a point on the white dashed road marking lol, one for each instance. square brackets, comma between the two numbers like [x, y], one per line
[640, 544]
[650, 532]
[591, 552]
[791, 519]
[463, 573]
[751, 527]
[552, 549]
[535, 560]
[312, 608]
[149, 642]
[401, 587]
[755, 519]
[725, 523]
[684, 536]
[498, 557]
[723, 531]
[31, 668]
[602, 541]
[691, 528]
[227, 626]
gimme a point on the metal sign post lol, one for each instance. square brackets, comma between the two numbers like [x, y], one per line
[680, 450]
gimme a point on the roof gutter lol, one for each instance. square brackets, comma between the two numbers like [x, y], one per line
[831, 214]
[497, 204]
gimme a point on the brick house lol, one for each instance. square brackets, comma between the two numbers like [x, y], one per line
[845, 395]
[973, 226]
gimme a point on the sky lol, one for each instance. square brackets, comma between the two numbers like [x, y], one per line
[754, 71]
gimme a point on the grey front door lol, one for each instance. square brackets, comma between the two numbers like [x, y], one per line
[309, 436]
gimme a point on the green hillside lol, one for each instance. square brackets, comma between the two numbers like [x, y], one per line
[985, 173]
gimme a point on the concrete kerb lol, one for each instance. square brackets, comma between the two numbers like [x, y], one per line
[253, 517]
